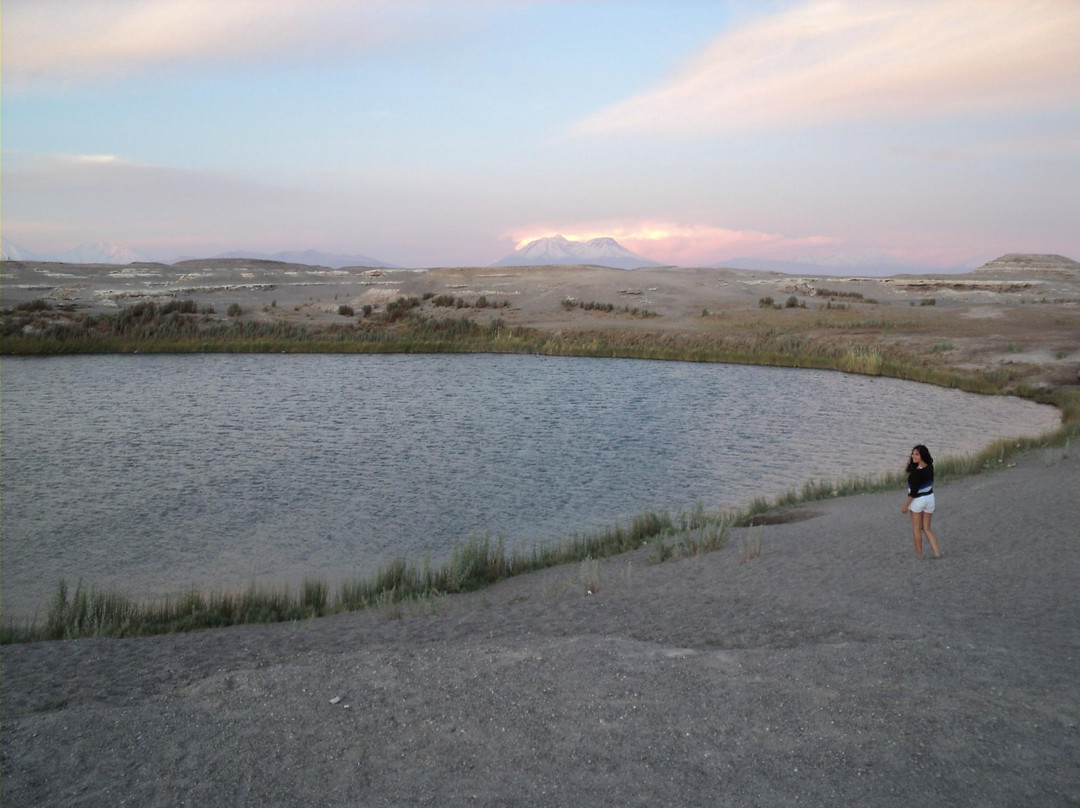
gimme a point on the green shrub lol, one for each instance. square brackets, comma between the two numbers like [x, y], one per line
[400, 308]
[182, 306]
[833, 293]
[593, 305]
[37, 304]
[234, 310]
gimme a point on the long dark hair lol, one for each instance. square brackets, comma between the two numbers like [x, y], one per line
[924, 453]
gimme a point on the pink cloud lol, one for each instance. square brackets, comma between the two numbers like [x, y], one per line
[676, 243]
[684, 244]
[845, 60]
[65, 40]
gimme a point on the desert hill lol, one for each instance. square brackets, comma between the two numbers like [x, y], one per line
[1031, 262]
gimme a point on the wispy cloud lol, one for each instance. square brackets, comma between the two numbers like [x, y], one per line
[845, 60]
[678, 243]
[66, 40]
[689, 244]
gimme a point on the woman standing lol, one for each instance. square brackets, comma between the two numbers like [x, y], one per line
[920, 500]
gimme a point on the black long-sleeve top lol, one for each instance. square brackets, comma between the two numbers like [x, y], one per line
[921, 482]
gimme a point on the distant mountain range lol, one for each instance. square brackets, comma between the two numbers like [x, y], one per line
[105, 253]
[605, 252]
[557, 250]
[312, 258]
[100, 253]
[10, 251]
[875, 267]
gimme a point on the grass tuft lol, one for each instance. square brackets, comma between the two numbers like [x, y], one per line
[750, 545]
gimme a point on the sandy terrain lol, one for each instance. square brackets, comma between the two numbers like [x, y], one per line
[834, 669]
[1020, 315]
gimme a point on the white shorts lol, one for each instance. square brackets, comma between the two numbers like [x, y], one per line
[922, 504]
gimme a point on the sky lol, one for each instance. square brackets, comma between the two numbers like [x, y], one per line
[936, 133]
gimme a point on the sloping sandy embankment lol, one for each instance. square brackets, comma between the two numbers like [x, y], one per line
[835, 669]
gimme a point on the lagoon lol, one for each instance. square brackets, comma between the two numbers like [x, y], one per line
[154, 473]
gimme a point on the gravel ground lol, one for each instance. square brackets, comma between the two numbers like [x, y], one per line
[834, 669]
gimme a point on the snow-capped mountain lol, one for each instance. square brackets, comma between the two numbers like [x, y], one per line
[10, 251]
[606, 252]
[311, 258]
[102, 253]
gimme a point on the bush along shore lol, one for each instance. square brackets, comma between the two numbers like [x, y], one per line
[36, 329]
[88, 611]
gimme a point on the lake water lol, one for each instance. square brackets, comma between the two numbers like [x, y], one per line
[153, 473]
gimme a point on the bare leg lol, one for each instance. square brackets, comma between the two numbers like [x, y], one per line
[916, 524]
[929, 533]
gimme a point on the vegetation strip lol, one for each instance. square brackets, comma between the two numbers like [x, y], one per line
[478, 562]
[177, 327]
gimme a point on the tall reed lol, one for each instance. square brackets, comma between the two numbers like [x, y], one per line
[473, 564]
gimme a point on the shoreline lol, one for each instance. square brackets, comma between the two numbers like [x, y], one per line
[86, 611]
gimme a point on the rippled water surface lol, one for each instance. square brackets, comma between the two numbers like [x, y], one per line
[152, 473]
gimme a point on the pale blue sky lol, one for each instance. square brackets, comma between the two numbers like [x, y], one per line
[941, 133]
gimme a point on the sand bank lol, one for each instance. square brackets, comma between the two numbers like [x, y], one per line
[834, 669]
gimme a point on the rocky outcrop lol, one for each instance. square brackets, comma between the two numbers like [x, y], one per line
[1032, 263]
